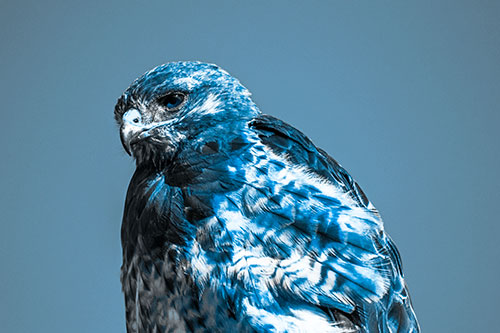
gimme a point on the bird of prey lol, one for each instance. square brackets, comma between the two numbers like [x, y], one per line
[235, 221]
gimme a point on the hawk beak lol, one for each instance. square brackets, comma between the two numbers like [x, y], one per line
[125, 142]
[132, 130]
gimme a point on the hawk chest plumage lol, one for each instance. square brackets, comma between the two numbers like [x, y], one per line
[166, 243]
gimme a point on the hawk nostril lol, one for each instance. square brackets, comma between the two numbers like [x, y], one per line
[132, 116]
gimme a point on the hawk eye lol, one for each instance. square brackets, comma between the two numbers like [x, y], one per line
[172, 101]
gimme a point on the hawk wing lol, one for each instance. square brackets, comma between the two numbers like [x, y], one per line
[285, 139]
[343, 261]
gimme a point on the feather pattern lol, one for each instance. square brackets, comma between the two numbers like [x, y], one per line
[235, 220]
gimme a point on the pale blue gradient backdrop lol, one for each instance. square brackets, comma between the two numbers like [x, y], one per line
[405, 95]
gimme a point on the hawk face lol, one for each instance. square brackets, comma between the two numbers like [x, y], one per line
[178, 105]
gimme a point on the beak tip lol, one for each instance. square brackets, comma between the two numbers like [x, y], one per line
[132, 135]
[125, 144]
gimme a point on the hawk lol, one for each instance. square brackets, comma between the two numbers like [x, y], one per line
[236, 221]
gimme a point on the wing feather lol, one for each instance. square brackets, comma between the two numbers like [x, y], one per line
[341, 258]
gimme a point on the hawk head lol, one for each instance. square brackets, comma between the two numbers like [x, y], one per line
[178, 105]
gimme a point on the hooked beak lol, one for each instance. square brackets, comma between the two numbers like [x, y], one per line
[130, 136]
[133, 130]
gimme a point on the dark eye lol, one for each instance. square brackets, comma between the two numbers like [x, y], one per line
[172, 101]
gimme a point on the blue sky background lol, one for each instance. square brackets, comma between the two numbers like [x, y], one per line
[405, 95]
